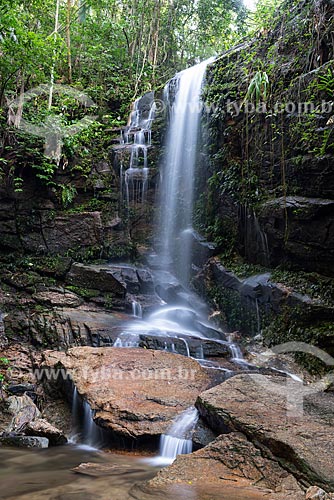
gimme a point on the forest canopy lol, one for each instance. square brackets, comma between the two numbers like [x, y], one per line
[112, 49]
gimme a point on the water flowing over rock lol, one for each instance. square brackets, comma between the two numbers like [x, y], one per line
[178, 439]
[137, 138]
[182, 95]
[230, 467]
[134, 393]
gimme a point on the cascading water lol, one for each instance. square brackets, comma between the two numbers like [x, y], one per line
[84, 429]
[138, 137]
[182, 96]
[137, 311]
[178, 438]
[183, 315]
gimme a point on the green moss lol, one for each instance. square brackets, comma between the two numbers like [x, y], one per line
[299, 324]
[86, 293]
[243, 269]
[317, 287]
[237, 314]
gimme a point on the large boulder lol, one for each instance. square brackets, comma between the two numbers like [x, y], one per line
[97, 277]
[135, 393]
[267, 412]
[229, 467]
[310, 240]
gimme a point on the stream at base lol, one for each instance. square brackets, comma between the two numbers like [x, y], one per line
[46, 474]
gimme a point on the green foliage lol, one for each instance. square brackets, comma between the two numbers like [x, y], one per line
[258, 88]
[68, 193]
[325, 145]
[326, 82]
[86, 293]
[263, 18]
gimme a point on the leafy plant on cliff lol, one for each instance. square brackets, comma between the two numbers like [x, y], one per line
[68, 193]
[258, 88]
[326, 82]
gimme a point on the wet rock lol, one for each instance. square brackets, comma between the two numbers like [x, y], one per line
[202, 434]
[84, 327]
[135, 393]
[201, 249]
[229, 467]
[63, 232]
[197, 347]
[256, 405]
[168, 287]
[101, 470]
[146, 281]
[310, 239]
[40, 427]
[254, 301]
[149, 303]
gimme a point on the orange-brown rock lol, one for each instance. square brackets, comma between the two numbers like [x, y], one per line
[274, 416]
[230, 467]
[135, 393]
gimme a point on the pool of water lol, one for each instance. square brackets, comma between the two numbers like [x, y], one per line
[33, 474]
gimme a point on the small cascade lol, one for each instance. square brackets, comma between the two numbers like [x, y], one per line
[75, 431]
[178, 441]
[186, 344]
[200, 353]
[84, 430]
[127, 338]
[137, 137]
[91, 433]
[236, 353]
[137, 311]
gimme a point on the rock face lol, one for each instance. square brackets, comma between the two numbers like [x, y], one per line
[256, 406]
[284, 216]
[250, 304]
[135, 393]
[229, 467]
[310, 243]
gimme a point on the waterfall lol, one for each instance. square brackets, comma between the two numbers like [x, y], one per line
[137, 137]
[236, 352]
[182, 96]
[84, 429]
[137, 311]
[178, 438]
[186, 345]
